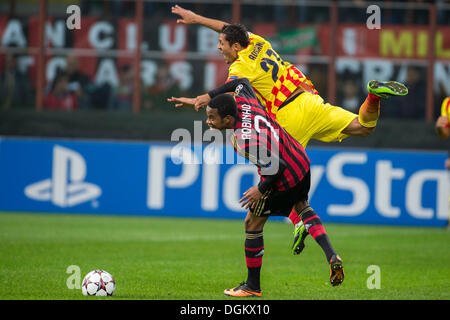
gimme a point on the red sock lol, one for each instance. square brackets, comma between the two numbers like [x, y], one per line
[374, 100]
[254, 251]
[293, 216]
[317, 231]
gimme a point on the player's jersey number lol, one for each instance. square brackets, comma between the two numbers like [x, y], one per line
[265, 62]
[259, 119]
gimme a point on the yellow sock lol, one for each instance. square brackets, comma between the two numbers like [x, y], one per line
[369, 111]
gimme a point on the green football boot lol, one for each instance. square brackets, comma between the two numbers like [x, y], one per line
[300, 234]
[386, 89]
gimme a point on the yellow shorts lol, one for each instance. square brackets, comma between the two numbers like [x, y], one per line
[308, 117]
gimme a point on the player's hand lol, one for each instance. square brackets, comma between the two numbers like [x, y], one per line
[447, 163]
[251, 196]
[202, 101]
[182, 102]
[441, 122]
[187, 16]
[442, 127]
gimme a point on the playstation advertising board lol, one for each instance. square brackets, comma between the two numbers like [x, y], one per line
[151, 179]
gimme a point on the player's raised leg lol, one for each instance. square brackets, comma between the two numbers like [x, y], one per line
[314, 227]
[362, 125]
[370, 109]
[300, 233]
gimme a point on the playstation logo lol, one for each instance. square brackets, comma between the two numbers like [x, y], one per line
[66, 187]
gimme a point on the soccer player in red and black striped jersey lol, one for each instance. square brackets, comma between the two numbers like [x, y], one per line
[283, 166]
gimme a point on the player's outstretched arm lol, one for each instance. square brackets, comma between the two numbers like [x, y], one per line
[229, 86]
[204, 99]
[189, 17]
[182, 102]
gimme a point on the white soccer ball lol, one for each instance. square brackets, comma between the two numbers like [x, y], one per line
[98, 283]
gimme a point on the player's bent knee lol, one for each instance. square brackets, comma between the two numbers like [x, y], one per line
[249, 222]
[360, 132]
[355, 128]
[299, 206]
[254, 223]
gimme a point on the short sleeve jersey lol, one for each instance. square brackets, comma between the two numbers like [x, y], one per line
[255, 130]
[272, 78]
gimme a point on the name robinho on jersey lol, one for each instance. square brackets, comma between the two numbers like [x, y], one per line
[247, 123]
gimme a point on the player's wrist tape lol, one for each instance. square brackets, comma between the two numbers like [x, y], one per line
[364, 123]
[367, 124]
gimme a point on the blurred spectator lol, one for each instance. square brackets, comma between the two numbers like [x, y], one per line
[351, 99]
[92, 7]
[15, 87]
[318, 75]
[221, 11]
[79, 83]
[356, 12]
[59, 97]
[299, 11]
[411, 106]
[443, 14]
[121, 8]
[122, 96]
[416, 15]
[165, 86]
[392, 16]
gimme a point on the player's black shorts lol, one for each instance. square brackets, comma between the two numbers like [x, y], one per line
[280, 203]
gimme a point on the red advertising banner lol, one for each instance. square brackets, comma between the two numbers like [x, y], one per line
[189, 53]
[392, 42]
[356, 40]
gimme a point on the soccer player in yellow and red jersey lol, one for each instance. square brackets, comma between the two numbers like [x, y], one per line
[288, 95]
[443, 125]
[443, 122]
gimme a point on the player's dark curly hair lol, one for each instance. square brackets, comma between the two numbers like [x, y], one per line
[225, 105]
[236, 33]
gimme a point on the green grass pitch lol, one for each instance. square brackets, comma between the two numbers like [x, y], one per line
[191, 259]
